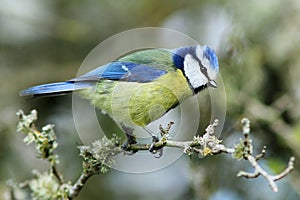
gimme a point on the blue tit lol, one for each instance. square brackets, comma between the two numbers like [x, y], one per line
[142, 86]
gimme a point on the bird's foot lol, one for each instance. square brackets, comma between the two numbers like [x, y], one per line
[125, 146]
[158, 152]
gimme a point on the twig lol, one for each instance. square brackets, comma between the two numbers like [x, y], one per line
[289, 168]
[76, 188]
[57, 174]
[99, 157]
[262, 153]
[270, 178]
[245, 147]
[208, 144]
[180, 144]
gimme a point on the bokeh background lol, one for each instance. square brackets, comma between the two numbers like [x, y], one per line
[258, 44]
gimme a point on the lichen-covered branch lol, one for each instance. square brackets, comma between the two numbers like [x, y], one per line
[99, 156]
[45, 140]
[209, 144]
[50, 184]
[246, 144]
[76, 188]
[205, 145]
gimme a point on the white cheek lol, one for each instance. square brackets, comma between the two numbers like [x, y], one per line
[211, 74]
[193, 72]
[199, 52]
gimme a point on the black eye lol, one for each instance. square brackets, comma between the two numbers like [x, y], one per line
[202, 68]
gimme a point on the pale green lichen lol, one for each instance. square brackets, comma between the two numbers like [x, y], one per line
[45, 186]
[208, 141]
[100, 156]
[45, 140]
[244, 147]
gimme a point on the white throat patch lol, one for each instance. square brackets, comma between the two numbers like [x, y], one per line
[193, 73]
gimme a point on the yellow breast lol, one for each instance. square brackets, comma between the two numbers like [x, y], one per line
[133, 103]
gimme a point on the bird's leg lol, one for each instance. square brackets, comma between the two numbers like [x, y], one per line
[130, 140]
[155, 139]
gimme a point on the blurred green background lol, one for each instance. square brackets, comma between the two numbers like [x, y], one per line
[258, 44]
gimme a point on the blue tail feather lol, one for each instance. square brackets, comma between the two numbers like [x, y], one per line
[53, 89]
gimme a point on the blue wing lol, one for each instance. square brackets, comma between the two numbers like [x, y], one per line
[123, 71]
[117, 71]
[54, 89]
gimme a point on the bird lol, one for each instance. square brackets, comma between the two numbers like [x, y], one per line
[140, 87]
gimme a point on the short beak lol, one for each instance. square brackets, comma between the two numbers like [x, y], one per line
[212, 83]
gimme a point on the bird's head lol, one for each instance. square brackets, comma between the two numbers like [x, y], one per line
[199, 65]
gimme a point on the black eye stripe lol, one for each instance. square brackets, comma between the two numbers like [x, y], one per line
[202, 68]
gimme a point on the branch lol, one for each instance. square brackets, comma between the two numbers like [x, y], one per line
[187, 146]
[49, 184]
[270, 178]
[99, 157]
[76, 188]
[208, 144]
[247, 154]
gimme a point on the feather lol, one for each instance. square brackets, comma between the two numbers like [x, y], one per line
[122, 71]
[53, 89]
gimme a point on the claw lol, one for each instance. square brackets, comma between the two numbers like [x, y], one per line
[130, 140]
[160, 153]
[154, 140]
[125, 146]
[153, 150]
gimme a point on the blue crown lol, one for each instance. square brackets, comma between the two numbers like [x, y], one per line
[212, 57]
